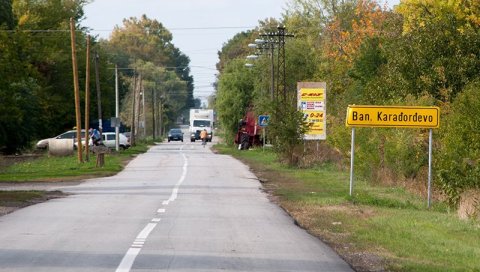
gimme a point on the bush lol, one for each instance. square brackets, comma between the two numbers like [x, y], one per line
[458, 159]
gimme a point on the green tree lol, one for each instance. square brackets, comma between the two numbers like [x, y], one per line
[6, 14]
[148, 40]
[19, 108]
[234, 96]
[34, 83]
[237, 47]
[165, 96]
[49, 52]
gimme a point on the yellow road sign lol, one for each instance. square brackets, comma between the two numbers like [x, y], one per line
[393, 116]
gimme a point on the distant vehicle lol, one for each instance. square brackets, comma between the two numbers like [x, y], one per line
[108, 139]
[175, 134]
[71, 134]
[201, 119]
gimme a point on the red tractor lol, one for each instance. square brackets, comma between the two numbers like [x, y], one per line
[249, 132]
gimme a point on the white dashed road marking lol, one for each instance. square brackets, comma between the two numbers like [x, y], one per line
[132, 253]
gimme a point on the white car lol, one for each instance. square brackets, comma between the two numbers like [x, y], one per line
[108, 139]
[71, 134]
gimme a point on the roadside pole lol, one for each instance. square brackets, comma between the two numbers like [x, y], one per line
[87, 99]
[117, 126]
[154, 118]
[99, 95]
[352, 154]
[76, 89]
[429, 168]
[263, 132]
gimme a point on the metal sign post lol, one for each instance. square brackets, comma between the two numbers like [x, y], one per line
[352, 154]
[264, 132]
[429, 168]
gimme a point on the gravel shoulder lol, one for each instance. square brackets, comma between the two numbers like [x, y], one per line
[49, 190]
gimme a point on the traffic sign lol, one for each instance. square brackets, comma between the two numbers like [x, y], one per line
[263, 120]
[393, 116]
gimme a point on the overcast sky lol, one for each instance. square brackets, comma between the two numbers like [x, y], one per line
[199, 27]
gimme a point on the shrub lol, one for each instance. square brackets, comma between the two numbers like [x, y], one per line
[459, 154]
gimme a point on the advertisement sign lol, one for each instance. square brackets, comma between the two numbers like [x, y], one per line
[312, 102]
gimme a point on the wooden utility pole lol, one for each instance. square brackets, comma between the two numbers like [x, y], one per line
[134, 99]
[154, 119]
[76, 89]
[137, 116]
[87, 99]
[161, 116]
[117, 111]
[99, 95]
[144, 117]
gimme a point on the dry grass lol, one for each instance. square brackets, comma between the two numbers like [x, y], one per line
[470, 205]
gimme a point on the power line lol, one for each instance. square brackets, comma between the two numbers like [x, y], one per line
[190, 28]
[110, 30]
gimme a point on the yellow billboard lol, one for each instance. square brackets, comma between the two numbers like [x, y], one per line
[393, 116]
[311, 101]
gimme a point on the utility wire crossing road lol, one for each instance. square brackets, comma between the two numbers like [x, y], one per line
[178, 207]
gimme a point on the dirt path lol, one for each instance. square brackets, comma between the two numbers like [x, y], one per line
[12, 195]
[36, 186]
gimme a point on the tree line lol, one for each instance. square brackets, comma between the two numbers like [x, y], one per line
[420, 53]
[36, 82]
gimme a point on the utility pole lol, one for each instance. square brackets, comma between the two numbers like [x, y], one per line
[117, 126]
[76, 88]
[87, 98]
[143, 114]
[272, 71]
[134, 96]
[154, 121]
[281, 62]
[279, 39]
[161, 115]
[137, 105]
[99, 95]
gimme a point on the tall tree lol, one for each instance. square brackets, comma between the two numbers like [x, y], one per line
[234, 96]
[47, 49]
[148, 40]
[34, 85]
[464, 14]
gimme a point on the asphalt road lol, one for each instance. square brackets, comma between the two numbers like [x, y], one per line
[178, 207]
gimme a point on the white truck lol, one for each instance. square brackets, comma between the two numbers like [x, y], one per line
[201, 119]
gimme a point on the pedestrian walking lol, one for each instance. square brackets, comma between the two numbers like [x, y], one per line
[203, 136]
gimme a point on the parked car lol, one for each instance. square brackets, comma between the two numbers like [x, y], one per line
[127, 134]
[108, 139]
[175, 134]
[71, 134]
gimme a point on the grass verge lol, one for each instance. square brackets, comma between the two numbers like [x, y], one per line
[50, 169]
[378, 228]
[55, 169]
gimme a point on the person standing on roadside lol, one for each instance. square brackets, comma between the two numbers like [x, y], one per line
[95, 136]
[203, 136]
